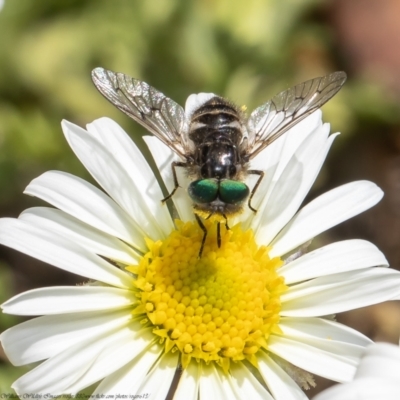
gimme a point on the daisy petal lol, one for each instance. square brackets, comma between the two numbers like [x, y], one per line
[362, 389]
[60, 223]
[341, 292]
[229, 387]
[163, 157]
[127, 380]
[334, 258]
[44, 337]
[281, 385]
[282, 149]
[247, 384]
[158, 381]
[60, 252]
[194, 101]
[313, 359]
[293, 185]
[314, 329]
[296, 135]
[81, 365]
[125, 189]
[269, 161]
[324, 212]
[377, 376]
[133, 163]
[188, 386]
[88, 204]
[211, 386]
[68, 299]
[380, 360]
[273, 160]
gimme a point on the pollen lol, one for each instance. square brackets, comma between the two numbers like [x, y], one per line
[221, 307]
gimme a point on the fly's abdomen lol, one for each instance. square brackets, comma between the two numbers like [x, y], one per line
[216, 120]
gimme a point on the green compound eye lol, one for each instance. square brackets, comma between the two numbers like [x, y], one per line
[233, 192]
[203, 190]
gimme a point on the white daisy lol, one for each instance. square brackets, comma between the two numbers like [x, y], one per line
[245, 320]
[377, 377]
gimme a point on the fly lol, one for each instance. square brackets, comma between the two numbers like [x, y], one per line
[213, 138]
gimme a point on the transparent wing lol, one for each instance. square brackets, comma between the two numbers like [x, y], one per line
[271, 120]
[157, 113]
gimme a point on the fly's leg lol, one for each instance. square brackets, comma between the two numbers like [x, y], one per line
[261, 176]
[226, 222]
[219, 230]
[174, 164]
[204, 229]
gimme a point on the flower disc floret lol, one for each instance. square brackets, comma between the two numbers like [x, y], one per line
[220, 307]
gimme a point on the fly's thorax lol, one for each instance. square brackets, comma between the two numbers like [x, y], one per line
[217, 160]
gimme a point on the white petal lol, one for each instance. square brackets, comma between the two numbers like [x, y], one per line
[313, 329]
[163, 157]
[229, 387]
[211, 386]
[273, 160]
[313, 359]
[281, 385]
[377, 377]
[188, 386]
[60, 223]
[334, 258]
[44, 337]
[341, 292]
[68, 299]
[194, 101]
[127, 380]
[269, 161]
[296, 135]
[324, 212]
[83, 364]
[247, 384]
[88, 204]
[60, 252]
[158, 381]
[291, 141]
[293, 185]
[380, 360]
[362, 389]
[126, 190]
[133, 163]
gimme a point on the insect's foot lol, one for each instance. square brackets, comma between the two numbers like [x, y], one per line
[200, 253]
[253, 209]
[169, 196]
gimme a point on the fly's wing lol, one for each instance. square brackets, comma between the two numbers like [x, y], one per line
[157, 113]
[271, 120]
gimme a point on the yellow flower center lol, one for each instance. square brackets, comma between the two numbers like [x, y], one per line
[220, 307]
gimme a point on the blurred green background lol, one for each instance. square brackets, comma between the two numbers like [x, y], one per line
[247, 51]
